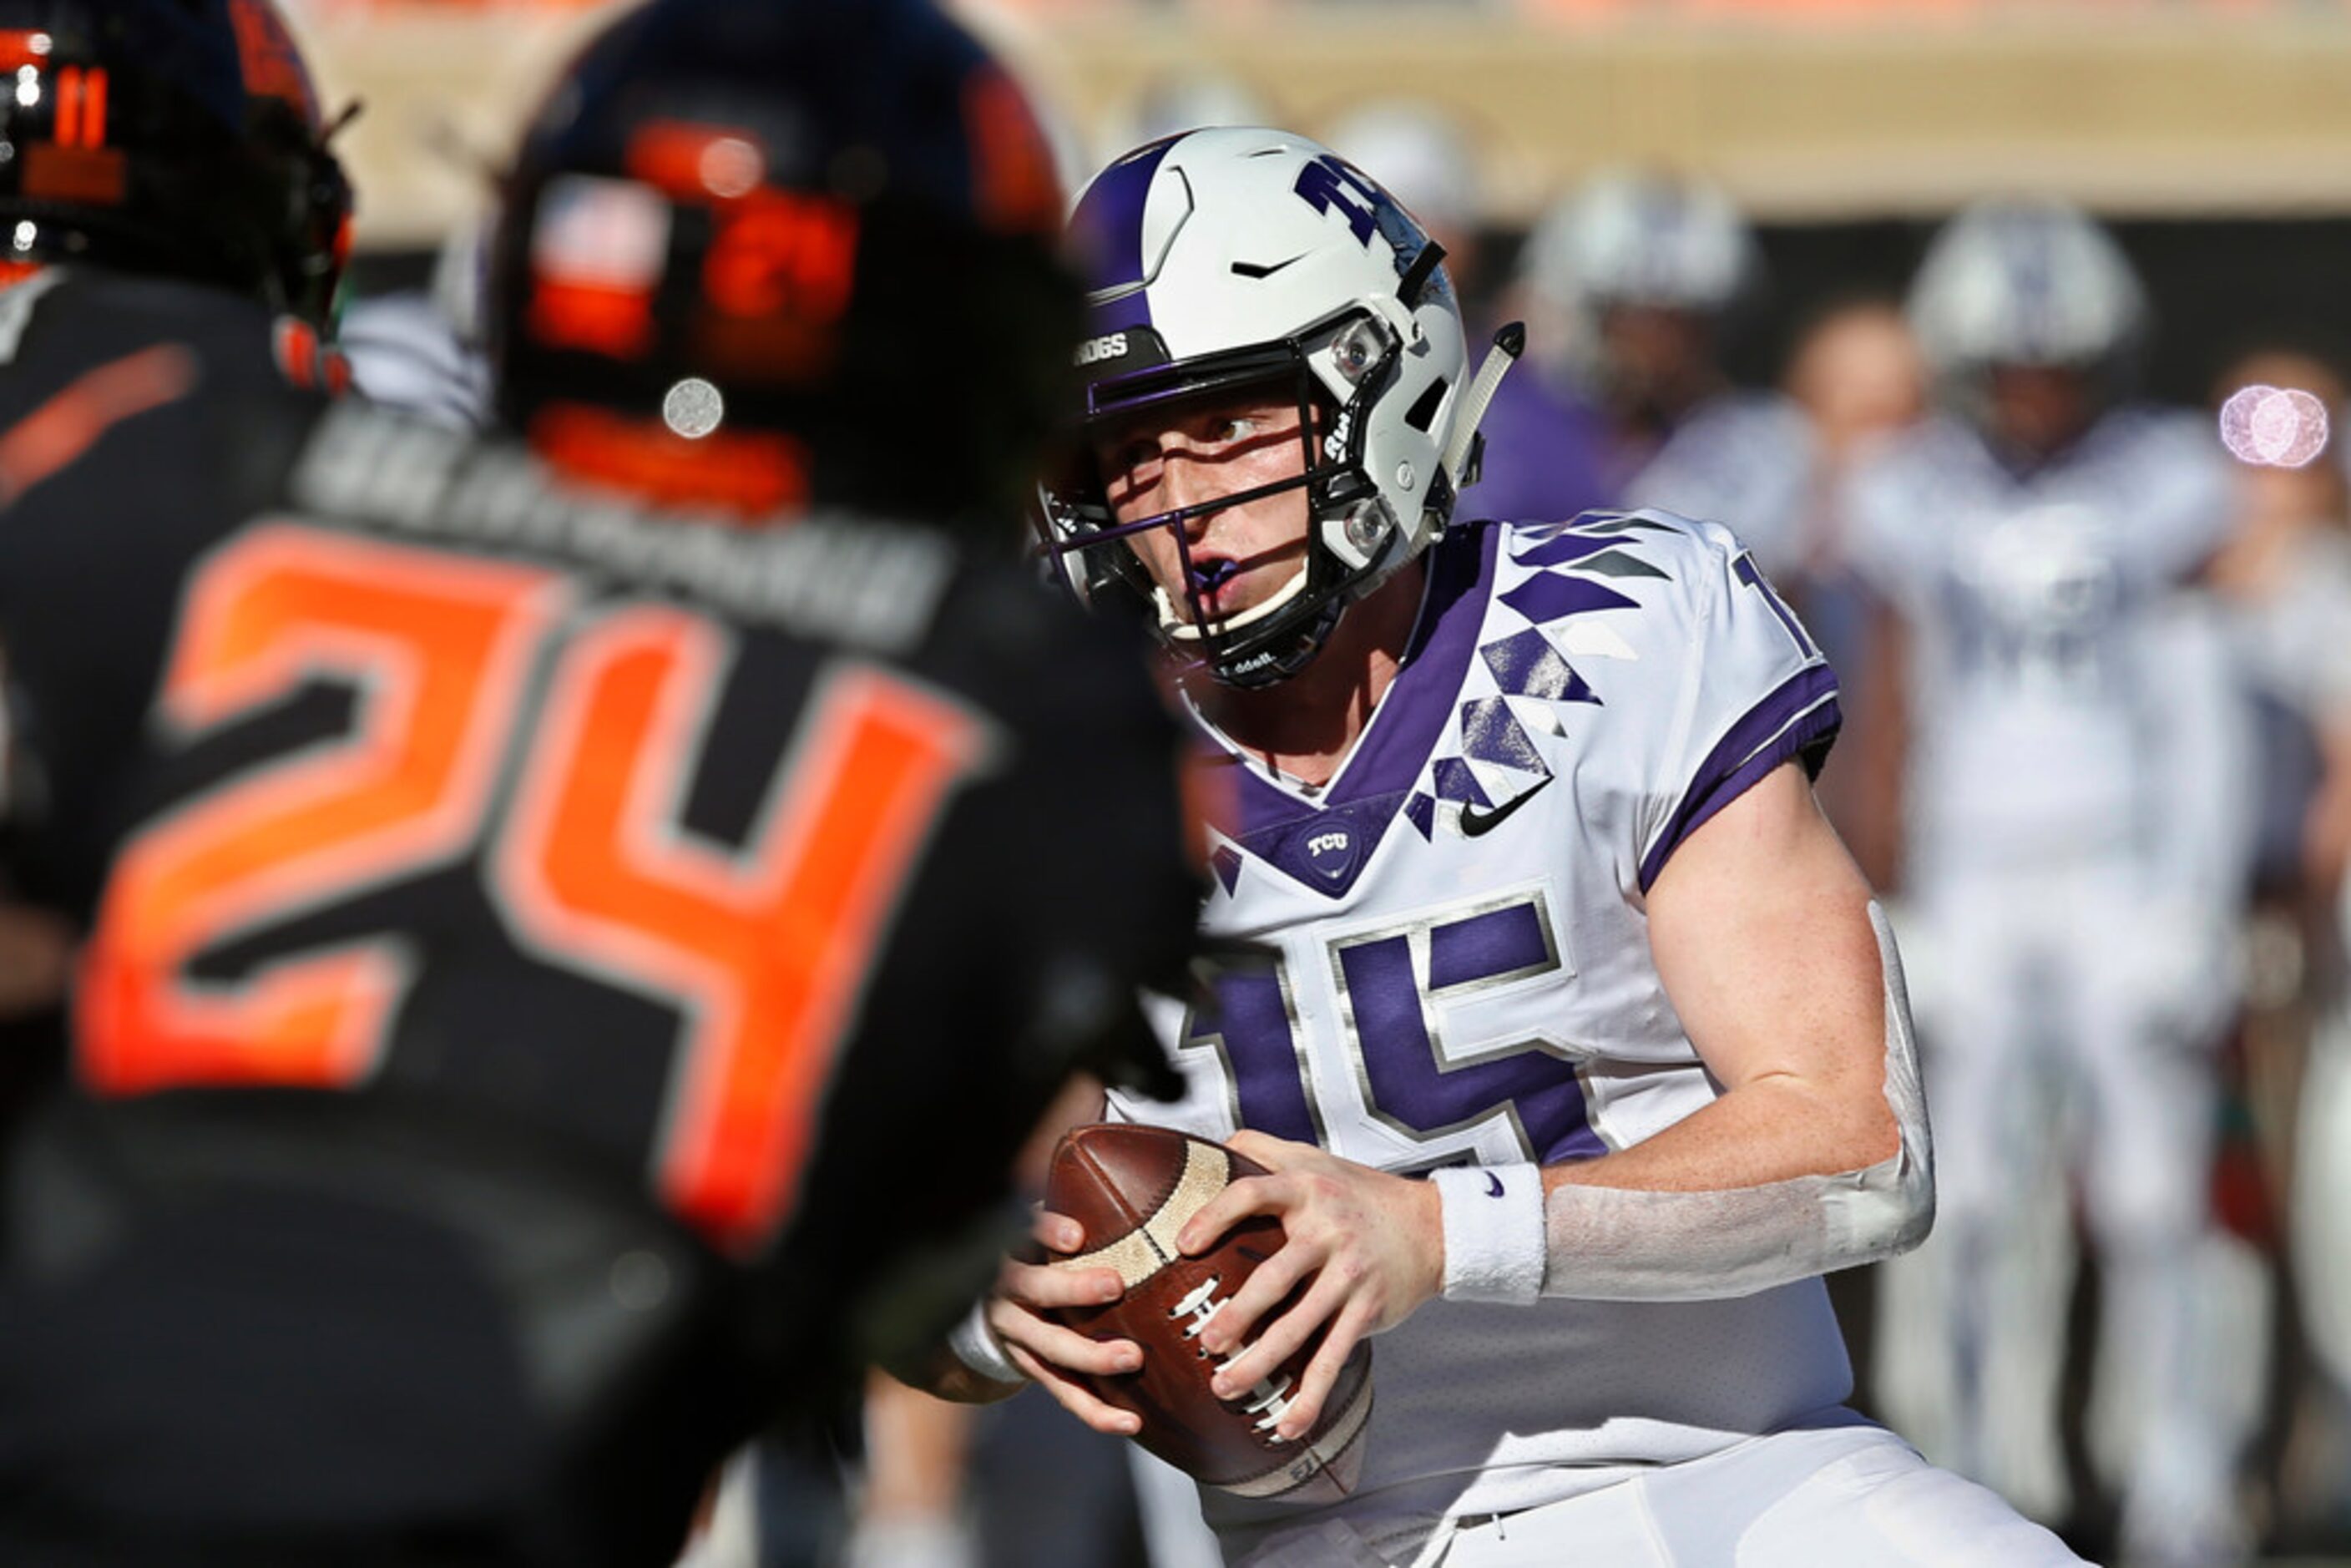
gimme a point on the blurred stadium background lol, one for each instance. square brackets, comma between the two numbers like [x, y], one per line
[2217, 132]
[2213, 135]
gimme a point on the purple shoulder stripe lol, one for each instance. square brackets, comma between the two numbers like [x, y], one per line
[1802, 717]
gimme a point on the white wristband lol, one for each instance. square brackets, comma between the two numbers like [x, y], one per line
[1495, 1246]
[977, 1346]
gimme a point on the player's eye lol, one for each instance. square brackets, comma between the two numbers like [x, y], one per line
[1129, 459]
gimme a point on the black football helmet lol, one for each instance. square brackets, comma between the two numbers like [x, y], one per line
[179, 137]
[785, 254]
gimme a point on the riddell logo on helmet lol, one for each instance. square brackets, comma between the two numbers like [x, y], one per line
[1334, 446]
[1093, 350]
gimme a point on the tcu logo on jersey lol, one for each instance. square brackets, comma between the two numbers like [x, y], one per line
[1332, 852]
[1326, 183]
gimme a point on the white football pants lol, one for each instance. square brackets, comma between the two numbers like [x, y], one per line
[1835, 1496]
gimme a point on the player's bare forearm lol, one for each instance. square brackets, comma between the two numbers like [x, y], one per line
[1816, 1156]
[1764, 1131]
[1761, 931]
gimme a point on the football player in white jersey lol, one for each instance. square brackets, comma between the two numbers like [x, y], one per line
[1575, 1048]
[2078, 828]
[1644, 276]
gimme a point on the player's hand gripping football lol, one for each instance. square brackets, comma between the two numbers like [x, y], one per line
[1049, 1353]
[1372, 1243]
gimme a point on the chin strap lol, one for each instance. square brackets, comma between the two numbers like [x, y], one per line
[1461, 452]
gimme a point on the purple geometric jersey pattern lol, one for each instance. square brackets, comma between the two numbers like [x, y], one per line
[1432, 741]
[1496, 759]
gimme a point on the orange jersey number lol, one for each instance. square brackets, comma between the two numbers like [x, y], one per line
[765, 949]
[437, 650]
[762, 948]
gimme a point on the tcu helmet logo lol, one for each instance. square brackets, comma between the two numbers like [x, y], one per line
[1327, 183]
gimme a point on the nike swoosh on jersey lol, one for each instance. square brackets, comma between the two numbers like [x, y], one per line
[1474, 821]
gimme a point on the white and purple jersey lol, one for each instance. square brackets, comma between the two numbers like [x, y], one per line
[2038, 691]
[1456, 969]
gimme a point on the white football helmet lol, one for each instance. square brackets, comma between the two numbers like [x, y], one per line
[2025, 282]
[1641, 239]
[1227, 257]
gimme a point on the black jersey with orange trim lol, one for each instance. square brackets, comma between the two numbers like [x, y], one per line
[652, 935]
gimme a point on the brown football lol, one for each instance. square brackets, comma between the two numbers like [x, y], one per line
[1133, 1188]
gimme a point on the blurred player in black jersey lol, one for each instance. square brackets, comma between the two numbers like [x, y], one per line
[164, 177]
[577, 924]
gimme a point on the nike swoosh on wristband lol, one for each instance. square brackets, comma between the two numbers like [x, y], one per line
[1474, 821]
[1493, 1184]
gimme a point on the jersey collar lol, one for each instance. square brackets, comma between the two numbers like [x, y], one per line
[1324, 840]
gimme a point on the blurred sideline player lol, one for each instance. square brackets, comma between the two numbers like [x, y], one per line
[1637, 279]
[2077, 836]
[1518, 817]
[2284, 577]
[419, 350]
[1856, 377]
[524, 877]
[1548, 450]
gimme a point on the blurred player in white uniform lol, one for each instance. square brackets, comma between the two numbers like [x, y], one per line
[2077, 834]
[419, 350]
[1571, 1038]
[1639, 278]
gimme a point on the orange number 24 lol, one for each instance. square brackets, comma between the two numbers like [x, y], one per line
[763, 947]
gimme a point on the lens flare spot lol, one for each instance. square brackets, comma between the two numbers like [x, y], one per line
[731, 167]
[692, 408]
[2274, 427]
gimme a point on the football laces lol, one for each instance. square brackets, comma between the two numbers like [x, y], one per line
[1268, 1400]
